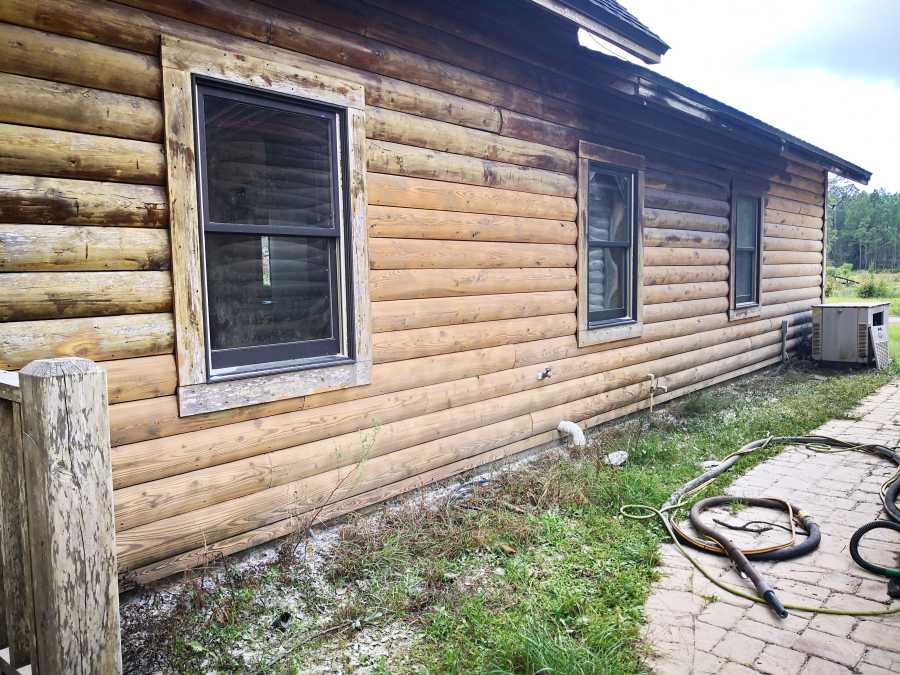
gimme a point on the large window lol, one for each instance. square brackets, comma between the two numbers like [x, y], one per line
[609, 244]
[747, 210]
[272, 191]
[267, 192]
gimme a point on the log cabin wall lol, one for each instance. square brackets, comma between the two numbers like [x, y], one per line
[472, 182]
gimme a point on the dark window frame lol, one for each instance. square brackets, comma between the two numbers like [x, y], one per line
[628, 312]
[241, 362]
[746, 190]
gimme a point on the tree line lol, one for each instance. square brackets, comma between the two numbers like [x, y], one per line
[863, 227]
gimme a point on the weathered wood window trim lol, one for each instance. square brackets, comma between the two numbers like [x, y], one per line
[743, 308]
[622, 327]
[182, 62]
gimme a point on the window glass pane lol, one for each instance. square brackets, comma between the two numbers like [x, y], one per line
[266, 166]
[264, 290]
[746, 220]
[606, 279]
[744, 272]
[609, 206]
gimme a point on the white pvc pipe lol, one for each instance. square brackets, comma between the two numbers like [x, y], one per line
[573, 430]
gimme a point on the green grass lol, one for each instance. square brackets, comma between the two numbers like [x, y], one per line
[533, 572]
[847, 292]
[894, 337]
[572, 602]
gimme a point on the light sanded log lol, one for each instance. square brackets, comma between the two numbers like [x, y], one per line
[144, 503]
[790, 295]
[684, 309]
[58, 201]
[130, 422]
[407, 160]
[392, 254]
[659, 256]
[793, 232]
[57, 295]
[282, 528]
[777, 217]
[685, 274]
[390, 125]
[138, 421]
[677, 372]
[674, 201]
[47, 152]
[813, 198]
[790, 206]
[98, 338]
[684, 238]
[136, 379]
[679, 220]
[33, 53]
[787, 283]
[782, 271]
[52, 248]
[781, 244]
[54, 105]
[16, 592]
[405, 314]
[70, 517]
[439, 283]
[169, 566]
[654, 295]
[154, 541]
[388, 221]
[419, 342]
[419, 193]
[791, 258]
[154, 459]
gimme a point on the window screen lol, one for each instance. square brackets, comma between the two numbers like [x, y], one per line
[272, 204]
[610, 244]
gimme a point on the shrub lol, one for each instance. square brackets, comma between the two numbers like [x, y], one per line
[873, 287]
[832, 286]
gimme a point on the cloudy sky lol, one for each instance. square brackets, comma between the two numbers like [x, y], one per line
[827, 71]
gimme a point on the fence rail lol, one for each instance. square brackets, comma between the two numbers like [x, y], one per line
[58, 582]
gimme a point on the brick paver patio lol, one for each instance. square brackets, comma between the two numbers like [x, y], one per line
[695, 627]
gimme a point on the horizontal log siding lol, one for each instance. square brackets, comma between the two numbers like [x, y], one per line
[472, 174]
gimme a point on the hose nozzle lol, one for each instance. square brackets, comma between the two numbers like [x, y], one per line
[775, 604]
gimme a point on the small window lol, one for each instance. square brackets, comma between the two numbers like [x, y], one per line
[609, 244]
[746, 248]
[272, 197]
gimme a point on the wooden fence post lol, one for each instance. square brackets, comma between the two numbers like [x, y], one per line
[18, 611]
[70, 513]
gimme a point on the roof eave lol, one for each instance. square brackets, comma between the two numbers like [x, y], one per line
[705, 107]
[645, 50]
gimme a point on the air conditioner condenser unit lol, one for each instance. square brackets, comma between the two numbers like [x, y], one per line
[851, 332]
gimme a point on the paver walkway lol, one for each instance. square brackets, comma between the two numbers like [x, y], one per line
[695, 627]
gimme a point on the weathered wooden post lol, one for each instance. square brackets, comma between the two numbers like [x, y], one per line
[18, 612]
[70, 513]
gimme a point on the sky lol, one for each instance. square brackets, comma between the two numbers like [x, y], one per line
[827, 71]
